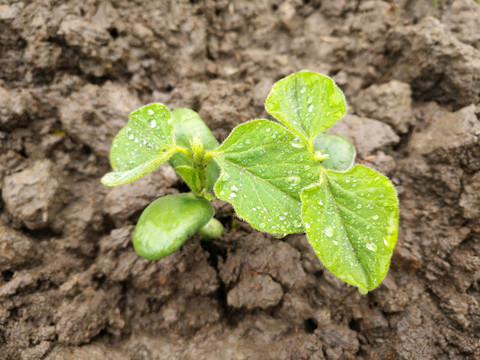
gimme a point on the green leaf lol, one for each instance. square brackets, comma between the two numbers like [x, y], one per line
[188, 124]
[341, 152]
[142, 145]
[190, 176]
[264, 168]
[307, 103]
[168, 222]
[351, 221]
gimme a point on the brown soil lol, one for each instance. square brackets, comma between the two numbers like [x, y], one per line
[71, 286]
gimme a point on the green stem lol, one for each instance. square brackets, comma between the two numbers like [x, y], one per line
[200, 158]
[201, 169]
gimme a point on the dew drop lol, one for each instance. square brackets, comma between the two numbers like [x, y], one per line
[234, 188]
[372, 247]
[359, 206]
[375, 217]
[150, 112]
[385, 241]
[328, 232]
[262, 225]
[267, 129]
[297, 143]
[222, 192]
[152, 123]
[131, 136]
[320, 202]
[310, 108]
[232, 195]
[335, 242]
[293, 180]
[302, 90]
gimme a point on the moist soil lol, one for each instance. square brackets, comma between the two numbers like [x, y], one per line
[71, 286]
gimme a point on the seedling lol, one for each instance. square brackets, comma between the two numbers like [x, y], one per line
[282, 177]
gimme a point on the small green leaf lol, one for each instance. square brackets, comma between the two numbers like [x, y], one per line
[351, 221]
[307, 103]
[341, 152]
[168, 222]
[142, 145]
[188, 124]
[264, 168]
[190, 176]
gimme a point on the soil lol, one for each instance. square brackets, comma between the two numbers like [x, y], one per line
[71, 286]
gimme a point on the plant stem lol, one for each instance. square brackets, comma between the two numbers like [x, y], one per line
[200, 159]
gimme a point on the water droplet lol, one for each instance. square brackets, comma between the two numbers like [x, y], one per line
[359, 206]
[302, 90]
[152, 123]
[274, 136]
[372, 247]
[293, 180]
[335, 242]
[267, 129]
[222, 192]
[262, 225]
[385, 241]
[131, 136]
[234, 188]
[232, 195]
[150, 112]
[297, 143]
[347, 180]
[328, 232]
[375, 217]
[320, 202]
[307, 225]
[310, 108]
[281, 217]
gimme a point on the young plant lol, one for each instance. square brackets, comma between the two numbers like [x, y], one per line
[282, 178]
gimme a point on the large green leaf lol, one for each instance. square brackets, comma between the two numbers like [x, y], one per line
[264, 168]
[188, 124]
[351, 220]
[307, 103]
[341, 152]
[145, 143]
